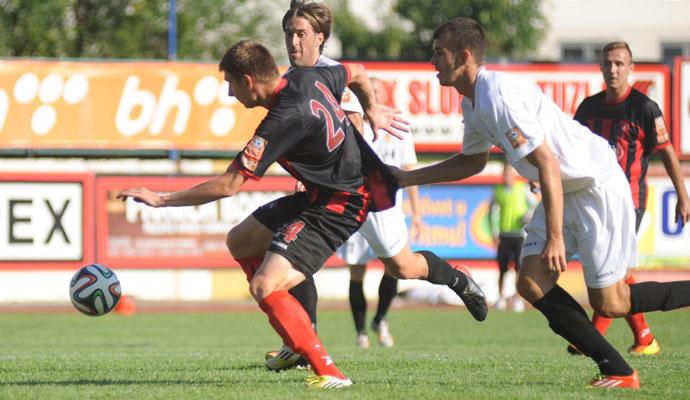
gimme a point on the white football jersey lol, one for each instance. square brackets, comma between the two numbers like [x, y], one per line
[393, 151]
[517, 116]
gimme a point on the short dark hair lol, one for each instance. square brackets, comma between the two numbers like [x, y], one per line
[614, 46]
[463, 33]
[248, 57]
[317, 14]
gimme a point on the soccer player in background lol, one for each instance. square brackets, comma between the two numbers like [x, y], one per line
[586, 204]
[510, 208]
[307, 26]
[382, 235]
[634, 127]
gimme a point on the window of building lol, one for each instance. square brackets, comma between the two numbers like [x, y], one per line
[581, 52]
[670, 50]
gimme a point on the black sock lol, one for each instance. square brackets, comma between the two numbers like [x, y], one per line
[568, 319]
[305, 293]
[441, 273]
[358, 304]
[388, 288]
[655, 296]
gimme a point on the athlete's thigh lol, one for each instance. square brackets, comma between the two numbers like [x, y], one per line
[250, 238]
[386, 232]
[253, 236]
[311, 238]
[604, 226]
[533, 281]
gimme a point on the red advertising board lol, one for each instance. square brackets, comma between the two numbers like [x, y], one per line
[47, 221]
[133, 235]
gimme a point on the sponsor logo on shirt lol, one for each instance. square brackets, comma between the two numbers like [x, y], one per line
[516, 137]
[251, 155]
[661, 132]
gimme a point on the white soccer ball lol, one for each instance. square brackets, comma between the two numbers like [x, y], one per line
[94, 290]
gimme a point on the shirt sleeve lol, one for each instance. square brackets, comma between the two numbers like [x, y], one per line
[656, 133]
[336, 78]
[277, 134]
[519, 132]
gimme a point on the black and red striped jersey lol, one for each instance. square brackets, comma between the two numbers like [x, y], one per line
[634, 128]
[309, 134]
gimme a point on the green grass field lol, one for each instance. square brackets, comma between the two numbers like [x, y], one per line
[439, 354]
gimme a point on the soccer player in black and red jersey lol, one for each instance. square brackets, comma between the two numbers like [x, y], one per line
[307, 132]
[634, 126]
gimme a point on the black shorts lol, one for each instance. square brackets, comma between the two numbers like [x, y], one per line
[509, 249]
[307, 232]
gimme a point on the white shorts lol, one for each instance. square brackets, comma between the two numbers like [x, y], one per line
[598, 225]
[382, 235]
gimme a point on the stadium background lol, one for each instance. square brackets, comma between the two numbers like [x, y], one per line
[73, 133]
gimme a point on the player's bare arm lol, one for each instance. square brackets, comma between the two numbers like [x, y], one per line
[672, 166]
[219, 187]
[553, 256]
[379, 116]
[457, 167]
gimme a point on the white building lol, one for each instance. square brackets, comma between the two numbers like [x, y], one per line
[657, 30]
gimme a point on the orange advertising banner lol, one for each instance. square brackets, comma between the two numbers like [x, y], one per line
[120, 105]
[185, 106]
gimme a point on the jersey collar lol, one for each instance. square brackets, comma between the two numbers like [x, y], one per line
[281, 85]
[620, 99]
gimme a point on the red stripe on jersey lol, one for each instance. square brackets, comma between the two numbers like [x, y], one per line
[635, 171]
[244, 172]
[606, 128]
[337, 202]
[379, 189]
[281, 85]
[366, 199]
[661, 146]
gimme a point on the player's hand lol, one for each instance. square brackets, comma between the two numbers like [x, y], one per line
[553, 256]
[416, 227]
[683, 212]
[142, 195]
[299, 187]
[381, 116]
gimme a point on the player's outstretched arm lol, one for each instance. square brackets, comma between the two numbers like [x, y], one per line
[672, 166]
[221, 186]
[379, 116]
[457, 167]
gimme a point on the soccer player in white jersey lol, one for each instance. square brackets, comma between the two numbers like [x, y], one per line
[586, 206]
[307, 26]
[382, 235]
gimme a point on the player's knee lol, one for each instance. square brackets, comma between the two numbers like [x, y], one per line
[612, 308]
[259, 287]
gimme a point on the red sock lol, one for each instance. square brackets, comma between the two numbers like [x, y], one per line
[250, 265]
[292, 323]
[601, 323]
[638, 324]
